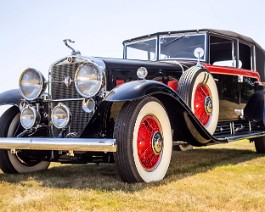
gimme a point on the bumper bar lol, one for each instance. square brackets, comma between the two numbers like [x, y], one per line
[67, 144]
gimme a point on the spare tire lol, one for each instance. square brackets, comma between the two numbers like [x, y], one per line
[199, 91]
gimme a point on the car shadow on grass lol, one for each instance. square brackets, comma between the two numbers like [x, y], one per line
[104, 177]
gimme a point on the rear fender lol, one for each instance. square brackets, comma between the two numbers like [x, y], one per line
[255, 108]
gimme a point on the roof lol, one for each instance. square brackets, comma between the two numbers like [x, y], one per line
[215, 31]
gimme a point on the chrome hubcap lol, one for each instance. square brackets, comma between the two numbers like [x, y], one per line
[157, 142]
[208, 105]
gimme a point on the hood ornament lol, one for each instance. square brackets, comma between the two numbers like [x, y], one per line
[74, 52]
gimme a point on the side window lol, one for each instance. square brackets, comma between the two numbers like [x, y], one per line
[245, 56]
[222, 52]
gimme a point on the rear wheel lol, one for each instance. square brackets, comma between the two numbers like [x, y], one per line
[143, 134]
[260, 144]
[18, 162]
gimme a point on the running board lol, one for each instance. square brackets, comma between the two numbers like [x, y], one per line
[240, 137]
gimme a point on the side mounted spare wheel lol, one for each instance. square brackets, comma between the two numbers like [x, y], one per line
[18, 162]
[198, 89]
[144, 139]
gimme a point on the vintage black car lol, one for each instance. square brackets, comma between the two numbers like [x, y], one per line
[171, 90]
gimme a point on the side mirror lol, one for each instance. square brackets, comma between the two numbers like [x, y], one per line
[199, 53]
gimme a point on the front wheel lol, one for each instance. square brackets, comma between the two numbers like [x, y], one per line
[19, 162]
[144, 138]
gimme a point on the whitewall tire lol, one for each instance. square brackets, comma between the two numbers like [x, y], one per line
[144, 138]
[14, 163]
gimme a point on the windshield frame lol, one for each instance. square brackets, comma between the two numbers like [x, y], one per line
[157, 37]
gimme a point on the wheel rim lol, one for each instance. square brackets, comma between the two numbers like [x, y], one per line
[149, 143]
[203, 104]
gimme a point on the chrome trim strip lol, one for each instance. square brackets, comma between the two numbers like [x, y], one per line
[63, 100]
[245, 136]
[254, 61]
[64, 144]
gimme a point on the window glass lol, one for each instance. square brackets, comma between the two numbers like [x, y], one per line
[181, 46]
[222, 52]
[245, 56]
[142, 49]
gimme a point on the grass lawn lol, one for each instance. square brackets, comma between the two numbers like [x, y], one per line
[227, 177]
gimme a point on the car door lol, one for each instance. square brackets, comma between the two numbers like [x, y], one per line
[231, 64]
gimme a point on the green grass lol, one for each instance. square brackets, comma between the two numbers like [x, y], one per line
[227, 177]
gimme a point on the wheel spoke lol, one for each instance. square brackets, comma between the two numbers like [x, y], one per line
[201, 93]
[146, 154]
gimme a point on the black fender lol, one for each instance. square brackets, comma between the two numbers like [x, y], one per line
[137, 89]
[10, 97]
[185, 125]
[255, 108]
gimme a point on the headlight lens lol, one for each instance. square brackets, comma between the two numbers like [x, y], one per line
[88, 80]
[31, 84]
[60, 116]
[29, 117]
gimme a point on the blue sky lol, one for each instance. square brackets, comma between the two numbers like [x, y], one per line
[32, 31]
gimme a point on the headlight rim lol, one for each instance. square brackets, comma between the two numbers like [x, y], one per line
[42, 83]
[68, 113]
[101, 75]
[36, 116]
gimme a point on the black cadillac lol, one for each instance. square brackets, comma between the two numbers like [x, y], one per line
[171, 90]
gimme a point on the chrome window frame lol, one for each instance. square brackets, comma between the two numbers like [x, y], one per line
[252, 53]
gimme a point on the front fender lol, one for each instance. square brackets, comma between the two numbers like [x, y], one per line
[137, 89]
[10, 97]
[183, 121]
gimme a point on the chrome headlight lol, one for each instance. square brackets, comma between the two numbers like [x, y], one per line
[29, 117]
[88, 80]
[31, 84]
[60, 116]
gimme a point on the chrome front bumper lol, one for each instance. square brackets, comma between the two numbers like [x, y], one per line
[64, 144]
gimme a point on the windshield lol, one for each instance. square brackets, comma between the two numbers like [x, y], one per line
[181, 46]
[143, 50]
[176, 46]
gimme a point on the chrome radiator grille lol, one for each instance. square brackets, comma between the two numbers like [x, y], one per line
[59, 90]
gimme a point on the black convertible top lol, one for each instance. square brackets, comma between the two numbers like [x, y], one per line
[210, 31]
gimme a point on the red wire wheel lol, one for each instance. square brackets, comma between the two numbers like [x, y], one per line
[144, 141]
[202, 104]
[149, 143]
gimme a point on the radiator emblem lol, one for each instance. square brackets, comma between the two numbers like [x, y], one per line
[68, 81]
[70, 59]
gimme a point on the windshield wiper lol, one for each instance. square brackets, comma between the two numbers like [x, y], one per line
[176, 39]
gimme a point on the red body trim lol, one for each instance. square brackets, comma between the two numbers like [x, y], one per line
[119, 82]
[232, 71]
[173, 84]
